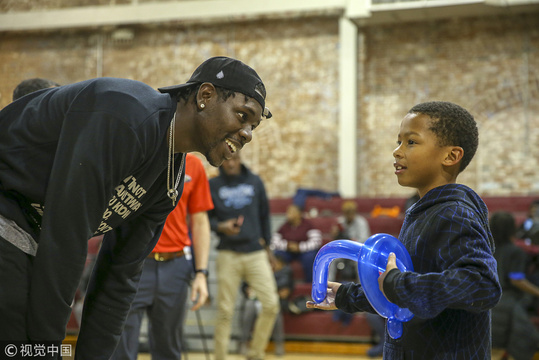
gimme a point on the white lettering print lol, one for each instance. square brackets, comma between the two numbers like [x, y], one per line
[123, 203]
[135, 188]
[238, 196]
[103, 228]
[121, 210]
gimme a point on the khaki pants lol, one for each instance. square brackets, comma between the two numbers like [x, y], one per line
[254, 268]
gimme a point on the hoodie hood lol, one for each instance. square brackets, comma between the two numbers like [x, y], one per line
[451, 194]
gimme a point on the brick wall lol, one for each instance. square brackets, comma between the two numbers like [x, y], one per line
[488, 65]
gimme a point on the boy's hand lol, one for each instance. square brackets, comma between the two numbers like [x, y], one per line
[329, 301]
[391, 264]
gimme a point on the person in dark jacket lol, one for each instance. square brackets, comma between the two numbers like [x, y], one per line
[241, 219]
[512, 328]
[446, 232]
[98, 157]
[529, 229]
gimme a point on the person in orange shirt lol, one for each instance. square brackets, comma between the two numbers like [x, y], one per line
[168, 272]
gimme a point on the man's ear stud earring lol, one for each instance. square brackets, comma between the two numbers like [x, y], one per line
[202, 106]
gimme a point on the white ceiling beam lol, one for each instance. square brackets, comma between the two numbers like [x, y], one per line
[510, 2]
[410, 5]
[363, 12]
[427, 10]
[358, 9]
[173, 11]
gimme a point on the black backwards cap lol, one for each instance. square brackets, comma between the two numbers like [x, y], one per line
[230, 74]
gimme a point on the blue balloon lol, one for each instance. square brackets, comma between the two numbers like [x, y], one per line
[371, 260]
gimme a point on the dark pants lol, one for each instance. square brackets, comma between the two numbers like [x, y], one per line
[15, 273]
[306, 259]
[162, 294]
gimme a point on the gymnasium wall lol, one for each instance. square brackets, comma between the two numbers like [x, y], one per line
[489, 65]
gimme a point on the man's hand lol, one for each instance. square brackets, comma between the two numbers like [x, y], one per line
[329, 301]
[199, 291]
[391, 264]
[231, 226]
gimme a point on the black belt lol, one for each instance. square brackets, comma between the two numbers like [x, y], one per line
[165, 256]
[30, 213]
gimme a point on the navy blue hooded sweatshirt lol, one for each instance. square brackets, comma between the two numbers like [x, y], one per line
[242, 194]
[94, 154]
[453, 285]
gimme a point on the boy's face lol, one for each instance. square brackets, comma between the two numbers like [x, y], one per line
[418, 157]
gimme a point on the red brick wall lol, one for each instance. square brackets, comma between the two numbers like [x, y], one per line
[488, 65]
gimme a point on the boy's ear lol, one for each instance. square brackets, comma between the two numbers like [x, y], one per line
[454, 155]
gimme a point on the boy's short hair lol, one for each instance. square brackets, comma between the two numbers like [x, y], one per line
[28, 86]
[453, 125]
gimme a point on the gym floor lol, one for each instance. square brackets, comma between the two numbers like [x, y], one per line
[293, 356]
[496, 355]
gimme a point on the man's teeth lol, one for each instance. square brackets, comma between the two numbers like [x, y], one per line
[231, 146]
[399, 167]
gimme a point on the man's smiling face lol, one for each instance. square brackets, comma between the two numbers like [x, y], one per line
[228, 125]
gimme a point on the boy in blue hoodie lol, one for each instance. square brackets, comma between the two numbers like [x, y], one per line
[454, 283]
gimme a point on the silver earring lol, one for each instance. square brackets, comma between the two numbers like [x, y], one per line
[202, 106]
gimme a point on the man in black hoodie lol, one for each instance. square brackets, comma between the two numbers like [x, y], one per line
[241, 220]
[103, 156]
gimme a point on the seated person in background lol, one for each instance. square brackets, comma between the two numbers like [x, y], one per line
[529, 230]
[351, 225]
[284, 278]
[354, 227]
[298, 239]
[512, 328]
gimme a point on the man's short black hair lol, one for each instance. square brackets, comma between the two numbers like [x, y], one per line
[30, 85]
[223, 93]
[453, 125]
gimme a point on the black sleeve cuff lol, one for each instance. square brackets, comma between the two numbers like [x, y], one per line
[389, 285]
[340, 297]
